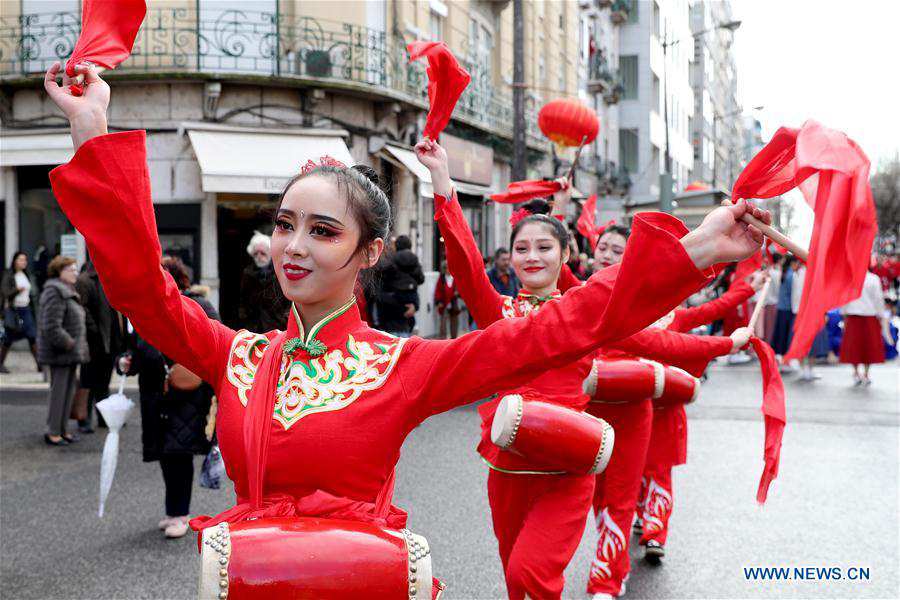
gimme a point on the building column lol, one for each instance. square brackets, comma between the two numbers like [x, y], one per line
[209, 247]
[9, 192]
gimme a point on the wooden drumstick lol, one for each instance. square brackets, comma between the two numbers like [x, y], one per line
[775, 235]
[757, 310]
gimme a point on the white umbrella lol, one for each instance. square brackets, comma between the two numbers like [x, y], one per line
[115, 411]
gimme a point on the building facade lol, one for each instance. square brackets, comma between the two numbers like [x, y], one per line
[601, 171]
[655, 52]
[235, 96]
[717, 132]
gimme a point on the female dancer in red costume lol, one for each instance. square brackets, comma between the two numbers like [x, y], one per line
[311, 419]
[538, 516]
[668, 440]
[618, 488]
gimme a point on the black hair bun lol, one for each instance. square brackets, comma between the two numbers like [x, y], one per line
[538, 206]
[367, 172]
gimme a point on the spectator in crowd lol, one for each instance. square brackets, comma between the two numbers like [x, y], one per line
[770, 309]
[39, 263]
[175, 410]
[819, 347]
[784, 317]
[865, 326]
[61, 344]
[105, 338]
[398, 301]
[446, 302]
[18, 297]
[262, 306]
[501, 276]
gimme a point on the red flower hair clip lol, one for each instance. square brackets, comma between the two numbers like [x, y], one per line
[518, 215]
[324, 161]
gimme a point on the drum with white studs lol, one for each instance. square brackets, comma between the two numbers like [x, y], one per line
[553, 438]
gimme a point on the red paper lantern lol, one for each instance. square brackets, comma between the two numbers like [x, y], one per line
[566, 122]
[696, 186]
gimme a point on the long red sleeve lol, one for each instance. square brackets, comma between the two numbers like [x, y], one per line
[689, 352]
[465, 263]
[105, 192]
[689, 318]
[567, 279]
[611, 305]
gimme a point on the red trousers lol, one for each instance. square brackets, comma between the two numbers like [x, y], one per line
[668, 448]
[617, 491]
[538, 521]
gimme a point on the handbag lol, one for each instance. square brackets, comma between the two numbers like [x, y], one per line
[12, 322]
[181, 378]
[213, 469]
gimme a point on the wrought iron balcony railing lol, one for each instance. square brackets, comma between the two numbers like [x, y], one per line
[258, 43]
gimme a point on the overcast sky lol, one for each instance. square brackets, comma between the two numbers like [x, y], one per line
[837, 62]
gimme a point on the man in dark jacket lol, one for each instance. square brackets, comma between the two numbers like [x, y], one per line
[502, 277]
[106, 339]
[262, 306]
[398, 301]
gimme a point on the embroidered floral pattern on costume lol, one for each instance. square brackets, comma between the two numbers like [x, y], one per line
[610, 544]
[657, 506]
[243, 359]
[333, 381]
[523, 304]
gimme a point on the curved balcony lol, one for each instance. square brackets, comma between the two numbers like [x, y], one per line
[180, 42]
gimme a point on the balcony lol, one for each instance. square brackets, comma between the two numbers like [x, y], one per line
[260, 45]
[619, 11]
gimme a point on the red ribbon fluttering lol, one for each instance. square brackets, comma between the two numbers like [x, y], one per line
[832, 172]
[446, 82]
[773, 414]
[523, 191]
[108, 30]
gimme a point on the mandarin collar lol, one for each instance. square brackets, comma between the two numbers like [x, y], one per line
[533, 299]
[327, 333]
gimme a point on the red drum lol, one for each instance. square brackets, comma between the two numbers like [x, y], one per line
[680, 388]
[310, 558]
[551, 436]
[620, 381]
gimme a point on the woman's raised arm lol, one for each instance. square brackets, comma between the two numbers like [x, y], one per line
[105, 192]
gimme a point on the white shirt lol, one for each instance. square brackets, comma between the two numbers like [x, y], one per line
[797, 288]
[774, 285]
[22, 299]
[870, 303]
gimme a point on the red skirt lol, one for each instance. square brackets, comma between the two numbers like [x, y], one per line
[862, 343]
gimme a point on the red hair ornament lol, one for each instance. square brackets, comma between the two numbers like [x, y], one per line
[324, 161]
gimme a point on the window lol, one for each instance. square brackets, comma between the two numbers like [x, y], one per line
[628, 68]
[633, 12]
[656, 19]
[437, 26]
[628, 149]
[541, 70]
[655, 105]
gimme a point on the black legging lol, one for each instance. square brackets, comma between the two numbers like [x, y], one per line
[178, 475]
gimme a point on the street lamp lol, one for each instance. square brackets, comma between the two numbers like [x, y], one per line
[665, 178]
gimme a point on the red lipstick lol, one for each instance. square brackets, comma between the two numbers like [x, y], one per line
[294, 272]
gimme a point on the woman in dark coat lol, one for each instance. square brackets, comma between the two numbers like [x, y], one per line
[173, 420]
[61, 344]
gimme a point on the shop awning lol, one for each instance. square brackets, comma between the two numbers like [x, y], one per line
[407, 158]
[35, 147]
[258, 160]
